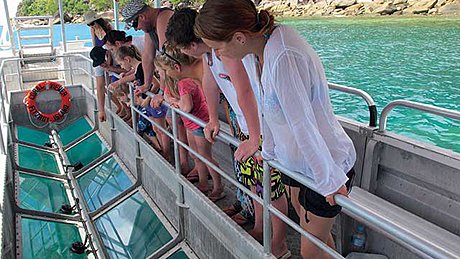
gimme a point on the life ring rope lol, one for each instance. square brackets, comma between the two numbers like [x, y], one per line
[64, 108]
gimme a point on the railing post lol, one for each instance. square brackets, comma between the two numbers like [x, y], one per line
[4, 88]
[267, 201]
[21, 81]
[62, 18]
[4, 118]
[180, 189]
[109, 99]
[70, 69]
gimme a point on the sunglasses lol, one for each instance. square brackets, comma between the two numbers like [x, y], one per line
[164, 53]
[92, 24]
[134, 23]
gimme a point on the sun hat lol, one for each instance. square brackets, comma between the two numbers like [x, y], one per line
[131, 11]
[90, 17]
[97, 54]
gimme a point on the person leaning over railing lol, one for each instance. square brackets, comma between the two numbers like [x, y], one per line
[186, 74]
[130, 59]
[215, 77]
[99, 28]
[299, 127]
[153, 22]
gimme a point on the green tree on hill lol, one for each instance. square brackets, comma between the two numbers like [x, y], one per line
[72, 7]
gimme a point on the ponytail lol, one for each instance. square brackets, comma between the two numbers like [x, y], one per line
[128, 51]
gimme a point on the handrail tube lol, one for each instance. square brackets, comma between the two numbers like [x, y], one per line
[374, 220]
[10, 28]
[416, 106]
[402, 237]
[363, 94]
[38, 17]
[223, 136]
[351, 90]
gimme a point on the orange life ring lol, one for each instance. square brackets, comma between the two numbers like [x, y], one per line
[29, 101]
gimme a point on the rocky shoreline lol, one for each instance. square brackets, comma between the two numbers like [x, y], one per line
[329, 8]
[339, 8]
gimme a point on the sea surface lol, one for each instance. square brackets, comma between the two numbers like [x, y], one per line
[411, 58]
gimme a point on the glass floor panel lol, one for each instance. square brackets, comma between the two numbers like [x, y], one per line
[87, 151]
[103, 183]
[42, 194]
[32, 136]
[32, 158]
[47, 239]
[74, 131]
[132, 229]
[179, 255]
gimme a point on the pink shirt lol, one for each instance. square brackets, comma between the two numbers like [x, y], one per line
[199, 108]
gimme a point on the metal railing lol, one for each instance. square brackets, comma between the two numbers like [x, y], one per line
[370, 102]
[350, 206]
[417, 106]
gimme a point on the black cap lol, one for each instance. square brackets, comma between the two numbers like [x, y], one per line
[97, 54]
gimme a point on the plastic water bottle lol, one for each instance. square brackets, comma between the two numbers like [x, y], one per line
[358, 240]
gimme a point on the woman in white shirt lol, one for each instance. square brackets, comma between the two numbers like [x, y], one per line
[299, 127]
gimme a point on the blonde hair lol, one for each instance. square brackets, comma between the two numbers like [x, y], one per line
[128, 51]
[173, 56]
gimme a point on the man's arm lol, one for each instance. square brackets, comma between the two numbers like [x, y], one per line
[100, 86]
[211, 93]
[148, 57]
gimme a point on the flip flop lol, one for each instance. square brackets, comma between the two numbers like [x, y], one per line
[232, 210]
[217, 197]
[240, 219]
[192, 178]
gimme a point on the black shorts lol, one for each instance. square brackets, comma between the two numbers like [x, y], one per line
[316, 203]
[286, 180]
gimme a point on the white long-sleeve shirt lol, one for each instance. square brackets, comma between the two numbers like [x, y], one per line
[226, 86]
[299, 127]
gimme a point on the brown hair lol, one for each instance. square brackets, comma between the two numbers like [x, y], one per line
[128, 51]
[218, 20]
[166, 60]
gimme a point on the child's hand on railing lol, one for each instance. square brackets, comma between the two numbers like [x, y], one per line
[156, 101]
[211, 130]
[141, 89]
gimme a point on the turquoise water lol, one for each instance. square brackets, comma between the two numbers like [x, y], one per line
[132, 229]
[32, 136]
[415, 59]
[32, 158]
[47, 239]
[42, 194]
[103, 183]
[74, 131]
[87, 151]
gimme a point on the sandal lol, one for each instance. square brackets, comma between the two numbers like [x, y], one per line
[240, 219]
[215, 198]
[192, 177]
[232, 209]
